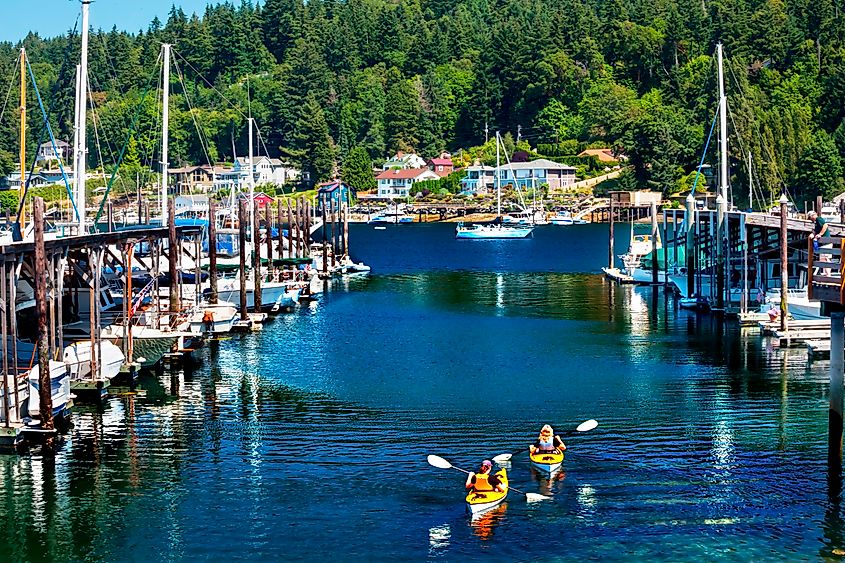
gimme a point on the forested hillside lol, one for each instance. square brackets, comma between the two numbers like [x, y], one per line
[326, 76]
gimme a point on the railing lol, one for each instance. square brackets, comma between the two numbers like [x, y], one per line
[826, 269]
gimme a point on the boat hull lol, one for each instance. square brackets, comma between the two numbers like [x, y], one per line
[493, 232]
[482, 501]
[547, 462]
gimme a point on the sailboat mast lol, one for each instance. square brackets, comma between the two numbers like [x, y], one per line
[251, 183]
[82, 103]
[165, 132]
[498, 181]
[76, 139]
[23, 137]
[750, 185]
[723, 129]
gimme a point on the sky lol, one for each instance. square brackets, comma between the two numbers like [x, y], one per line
[56, 17]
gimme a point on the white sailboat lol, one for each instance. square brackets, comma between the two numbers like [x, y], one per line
[494, 230]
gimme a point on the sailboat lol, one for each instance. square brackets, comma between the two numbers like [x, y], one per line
[496, 230]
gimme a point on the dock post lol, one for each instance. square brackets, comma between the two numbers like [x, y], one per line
[212, 251]
[242, 257]
[743, 234]
[819, 204]
[5, 343]
[127, 311]
[720, 252]
[345, 229]
[837, 366]
[280, 235]
[110, 217]
[842, 211]
[784, 266]
[45, 394]
[610, 242]
[674, 240]
[256, 260]
[654, 234]
[290, 230]
[268, 220]
[197, 270]
[173, 260]
[690, 251]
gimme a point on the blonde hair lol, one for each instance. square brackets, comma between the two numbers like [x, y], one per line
[545, 428]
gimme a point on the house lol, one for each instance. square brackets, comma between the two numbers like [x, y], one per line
[404, 161]
[604, 155]
[479, 179]
[192, 179]
[536, 173]
[267, 171]
[262, 199]
[396, 183]
[191, 205]
[46, 152]
[334, 191]
[442, 166]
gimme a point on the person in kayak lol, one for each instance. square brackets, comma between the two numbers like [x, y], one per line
[483, 480]
[547, 442]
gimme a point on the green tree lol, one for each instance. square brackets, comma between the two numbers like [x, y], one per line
[819, 170]
[315, 149]
[358, 170]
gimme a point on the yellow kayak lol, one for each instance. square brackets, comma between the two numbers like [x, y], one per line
[547, 461]
[479, 501]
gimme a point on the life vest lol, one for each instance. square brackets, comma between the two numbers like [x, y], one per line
[481, 482]
[208, 317]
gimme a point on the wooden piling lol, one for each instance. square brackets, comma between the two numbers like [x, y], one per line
[290, 230]
[345, 230]
[655, 278]
[610, 256]
[242, 257]
[819, 204]
[280, 234]
[842, 211]
[269, 235]
[212, 250]
[720, 252]
[45, 394]
[173, 259]
[127, 299]
[110, 217]
[690, 249]
[256, 260]
[4, 334]
[784, 266]
[837, 367]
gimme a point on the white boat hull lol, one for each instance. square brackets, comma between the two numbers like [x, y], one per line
[59, 384]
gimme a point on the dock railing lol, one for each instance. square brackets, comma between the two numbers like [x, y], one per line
[826, 269]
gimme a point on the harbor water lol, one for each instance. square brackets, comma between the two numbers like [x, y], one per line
[308, 440]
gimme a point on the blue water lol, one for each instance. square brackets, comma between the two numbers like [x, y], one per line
[308, 441]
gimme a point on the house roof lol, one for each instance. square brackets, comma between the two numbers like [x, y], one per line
[543, 163]
[327, 187]
[402, 174]
[441, 161]
[59, 143]
[604, 155]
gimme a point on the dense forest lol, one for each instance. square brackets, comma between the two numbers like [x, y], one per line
[325, 77]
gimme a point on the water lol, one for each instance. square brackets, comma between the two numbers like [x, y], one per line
[308, 440]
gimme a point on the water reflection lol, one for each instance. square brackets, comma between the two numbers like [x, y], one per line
[484, 525]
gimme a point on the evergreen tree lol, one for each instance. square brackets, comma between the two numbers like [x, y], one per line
[315, 149]
[819, 170]
[358, 170]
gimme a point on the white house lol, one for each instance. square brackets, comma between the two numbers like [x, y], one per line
[47, 153]
[267, 170]
[404, 161]
[478, 179]
[396, 183]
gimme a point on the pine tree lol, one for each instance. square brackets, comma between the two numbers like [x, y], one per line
[315, 149]
[358, 170]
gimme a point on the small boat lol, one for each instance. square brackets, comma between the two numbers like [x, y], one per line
[492, 231]
[562, 218]
[380, 228]
[223, 316]
[59, 386]
[480, 501]
[694, 303]
[548, 462]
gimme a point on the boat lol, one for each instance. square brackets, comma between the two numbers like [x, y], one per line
[481, 501]
[391, 216]
[149, 344]
[798, 303]
[496, 230]
[379, 228]
[548, 462]
[59, 384]
[77, 357]
[272, 293]
[562, 218]
[492, 231]
[223, 317]
[694, 303]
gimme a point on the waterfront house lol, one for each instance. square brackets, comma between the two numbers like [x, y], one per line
[192, 179]
[442, 165]
[397, 183]
[46, 152]
[537, 173]
[404, 161]
[335, 191]
[193, 205]
[478, 180]
[267, 171]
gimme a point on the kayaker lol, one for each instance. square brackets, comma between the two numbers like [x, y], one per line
[483, 480]
[547, 442]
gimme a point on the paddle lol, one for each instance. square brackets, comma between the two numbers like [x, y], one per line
[441, 463]
[585, 426]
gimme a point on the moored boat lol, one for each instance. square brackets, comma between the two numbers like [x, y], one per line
[480, 501]
[548, 462]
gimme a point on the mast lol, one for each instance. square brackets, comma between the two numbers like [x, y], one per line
[81, 150]
[498, 181]
[165, 132]
[22, 218]
[750, 184]
[251, 183]
[76, 145]
[723, 129]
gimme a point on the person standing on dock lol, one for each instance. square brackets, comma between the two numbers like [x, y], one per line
[819, 230]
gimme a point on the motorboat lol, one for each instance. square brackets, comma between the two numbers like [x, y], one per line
[60, 390]
[492, 231]
[77, 357]
[222, 318]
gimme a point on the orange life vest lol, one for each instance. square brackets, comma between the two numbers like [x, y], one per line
[482, 482]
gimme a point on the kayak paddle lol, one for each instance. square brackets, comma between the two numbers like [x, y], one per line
[441, 463]
[585, 426]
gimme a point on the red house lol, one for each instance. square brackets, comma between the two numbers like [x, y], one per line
[442, 166]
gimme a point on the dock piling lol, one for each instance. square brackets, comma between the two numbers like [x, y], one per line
[690, 251]
[45, 395]
[610, 242]
[173, 259]
[784, 266]
[654, 235]
[837, 366]
[212, 250]
[256, 259]
[242, 257]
